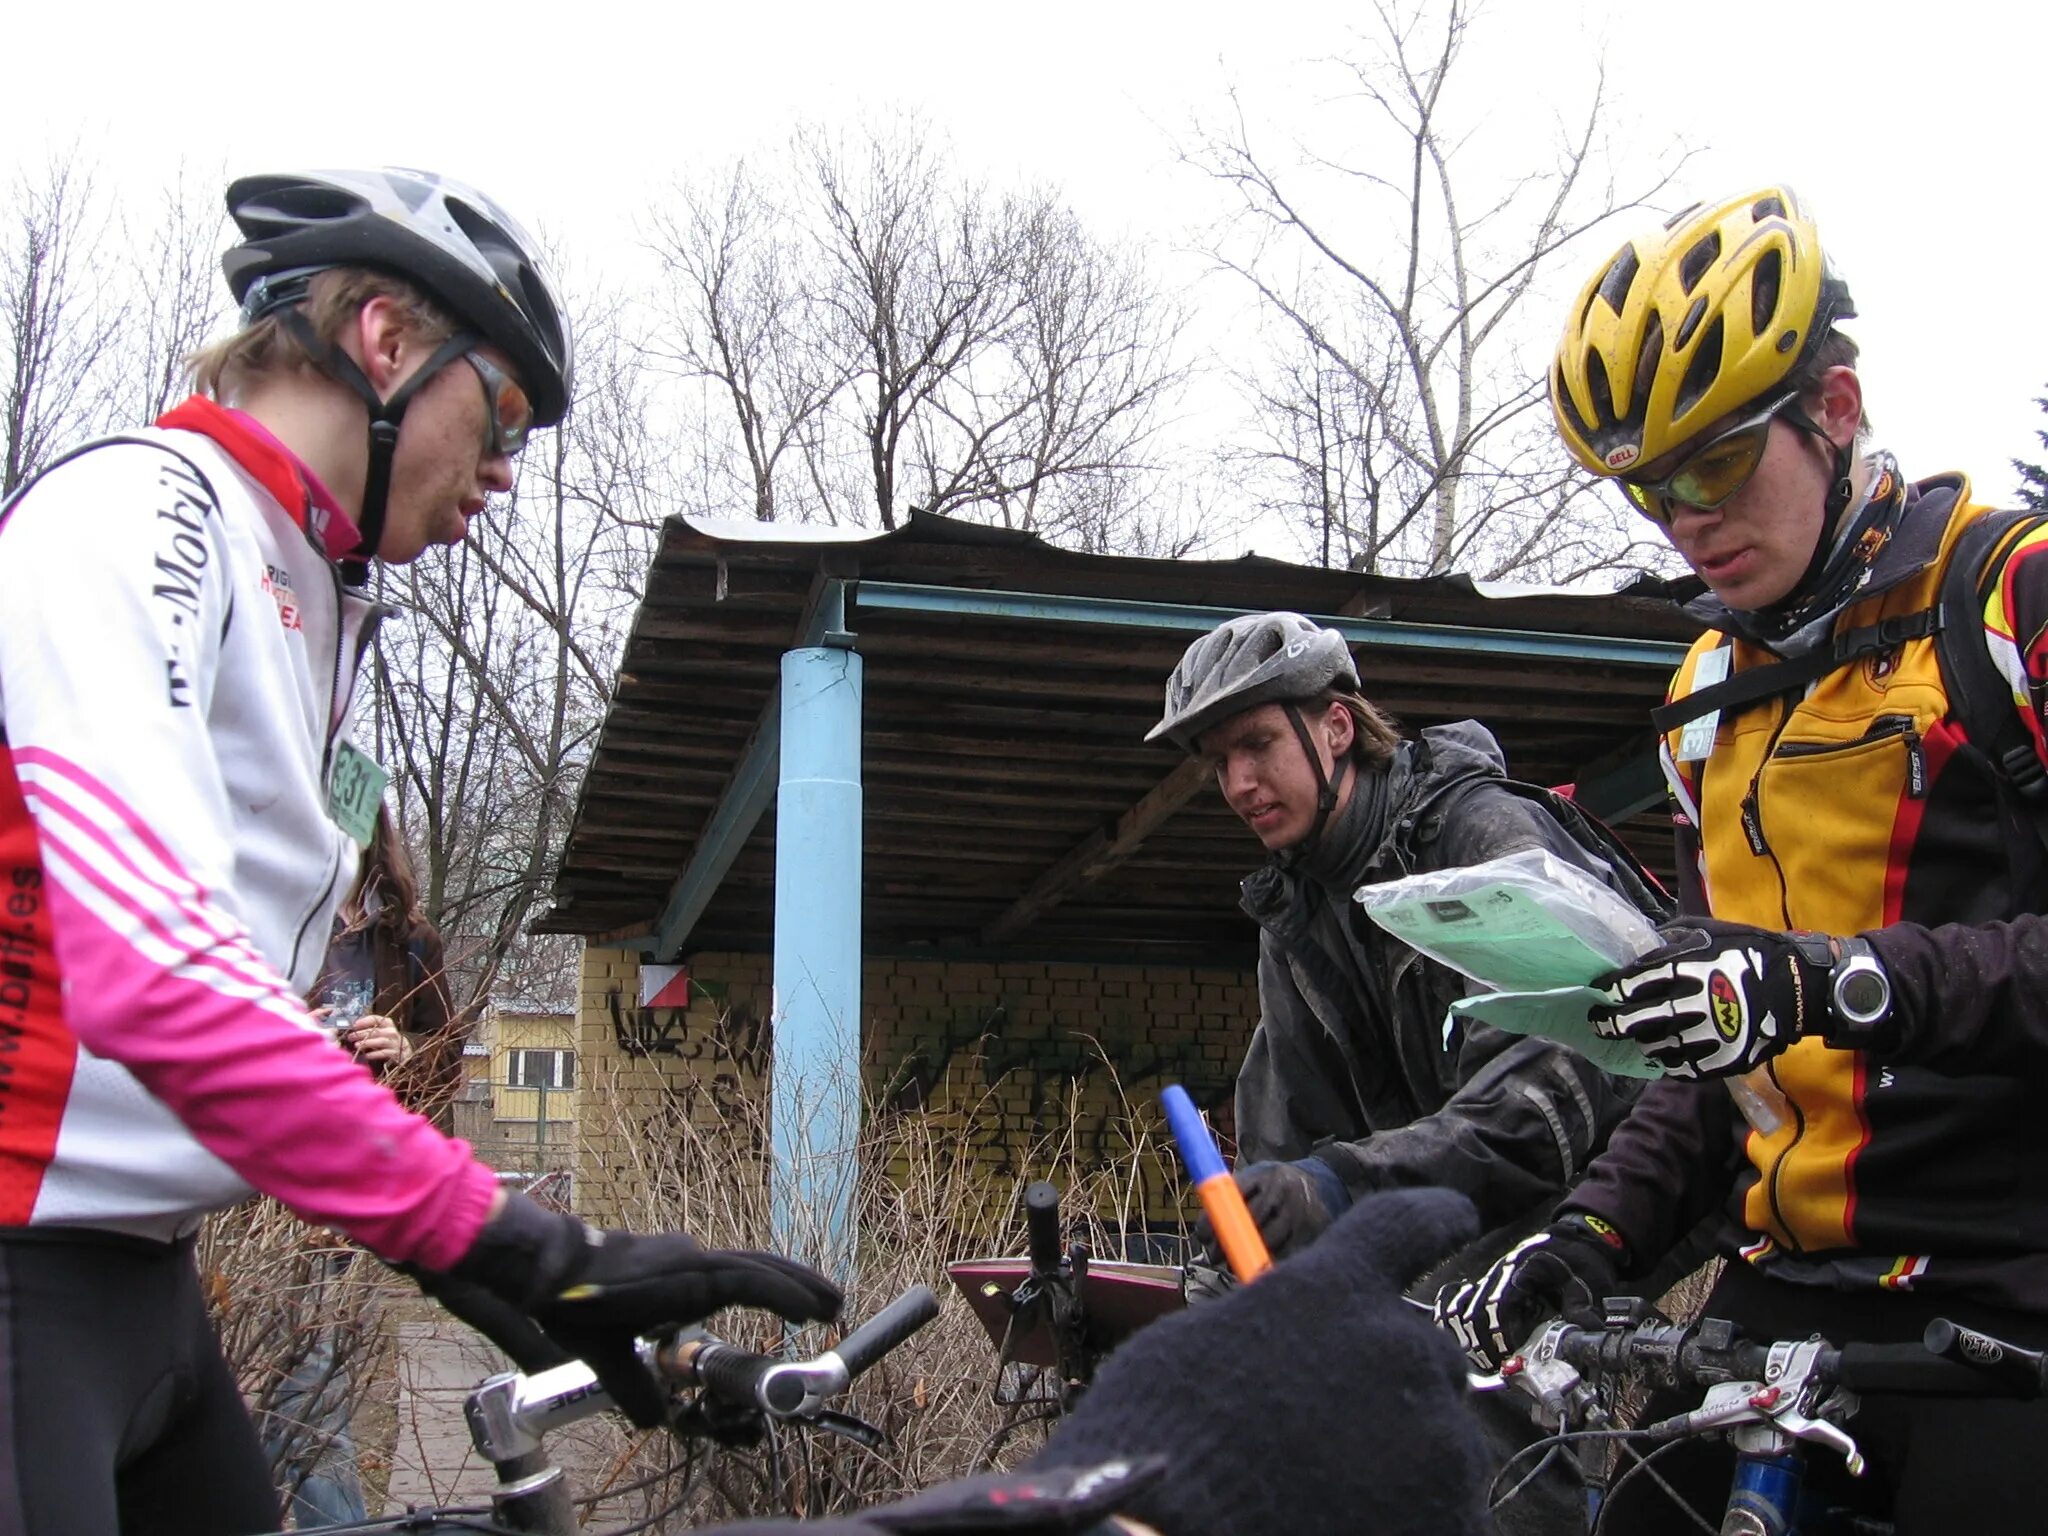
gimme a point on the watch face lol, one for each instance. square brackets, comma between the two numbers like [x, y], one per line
[1863, 993]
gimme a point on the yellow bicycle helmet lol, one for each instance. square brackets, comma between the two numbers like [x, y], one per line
[1689, 324]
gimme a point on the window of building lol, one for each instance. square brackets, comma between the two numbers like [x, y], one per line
[537, 1069]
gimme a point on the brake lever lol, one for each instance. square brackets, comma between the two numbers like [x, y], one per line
[848, 1427]
[1761, 1415]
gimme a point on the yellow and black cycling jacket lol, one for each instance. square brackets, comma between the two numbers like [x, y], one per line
[1862, 806]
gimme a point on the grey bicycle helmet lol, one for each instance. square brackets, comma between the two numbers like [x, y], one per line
[1254, 659]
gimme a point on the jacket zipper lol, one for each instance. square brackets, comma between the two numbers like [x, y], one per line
[331, 734]
[1778, 1167]
[1753, 829]
[1883, 728]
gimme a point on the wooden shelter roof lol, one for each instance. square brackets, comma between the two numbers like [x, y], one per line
[1011, 805]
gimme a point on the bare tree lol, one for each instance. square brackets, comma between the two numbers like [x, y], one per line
[59, 328]
[177, 298]
[1050, 427]
[1397, 420]
[745, 316]
[875, 331]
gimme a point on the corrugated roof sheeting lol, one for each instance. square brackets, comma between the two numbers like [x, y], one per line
[995, 746]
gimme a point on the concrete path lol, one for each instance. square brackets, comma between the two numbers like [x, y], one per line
[440, 1363]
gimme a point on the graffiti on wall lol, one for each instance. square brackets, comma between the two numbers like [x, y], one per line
[734, 1035]
[1081, 1084]
[726, 1059]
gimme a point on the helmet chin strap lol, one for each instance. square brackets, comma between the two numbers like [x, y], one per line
[386, 415]
[1841, 492]
[1327, 788]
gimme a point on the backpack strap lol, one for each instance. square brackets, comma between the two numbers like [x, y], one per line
[1752, 685]
[1979, 695]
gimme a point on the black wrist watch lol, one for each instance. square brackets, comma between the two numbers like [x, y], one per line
[1859, 997]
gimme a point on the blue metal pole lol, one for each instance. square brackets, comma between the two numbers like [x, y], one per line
[815, 1104]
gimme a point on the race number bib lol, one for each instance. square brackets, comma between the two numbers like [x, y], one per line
[1696, 741]
[354, 790]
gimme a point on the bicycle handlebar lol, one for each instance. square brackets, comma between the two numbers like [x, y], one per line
[887, 1328]
[2023, 1372]
[510, 1414]
[789, 1389]
[1950, 1361]
[1042, 1222]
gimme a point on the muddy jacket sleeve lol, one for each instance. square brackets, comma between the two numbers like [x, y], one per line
[1524, 1116]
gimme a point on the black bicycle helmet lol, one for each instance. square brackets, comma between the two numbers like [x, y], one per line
[450, 239]
[1261, 658]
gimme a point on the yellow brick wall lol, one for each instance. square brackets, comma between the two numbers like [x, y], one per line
[1030, 1069]
[652, 1075]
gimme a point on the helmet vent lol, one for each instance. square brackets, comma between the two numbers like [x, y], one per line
[308, 205]
[1698, 259]
[1765, 283]
[539, 303]
[1596, 385]
[1690, 323]
[1702, 371]
[1620, 278]
[1772, 207]
[1566, 403]
[1788, 341]
[1646, 365]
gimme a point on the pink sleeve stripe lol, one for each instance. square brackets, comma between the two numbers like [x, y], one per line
[279, 1104]
[173, 910]
[102, 795]
[99, 1030]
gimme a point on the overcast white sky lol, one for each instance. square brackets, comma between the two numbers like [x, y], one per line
[1912, 130]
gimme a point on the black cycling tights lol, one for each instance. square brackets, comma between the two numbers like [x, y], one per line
[1937, 1466]
[117, 1413]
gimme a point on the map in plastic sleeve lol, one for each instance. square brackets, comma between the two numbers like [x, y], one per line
[1531, 929]
[1498, 934]
[1558, 1015]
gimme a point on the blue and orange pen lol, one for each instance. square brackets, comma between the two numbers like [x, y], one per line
[1238, 1234]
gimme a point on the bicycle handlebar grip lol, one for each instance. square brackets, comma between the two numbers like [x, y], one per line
[888, 1328]
[736, 1376]
[2017, 1372]
[1042, 1220]
[1910, 1370]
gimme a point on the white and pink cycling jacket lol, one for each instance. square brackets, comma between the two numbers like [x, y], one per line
[177, 657]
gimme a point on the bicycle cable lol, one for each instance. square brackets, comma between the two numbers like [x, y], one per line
[1549, 1444]
[1643, 1465]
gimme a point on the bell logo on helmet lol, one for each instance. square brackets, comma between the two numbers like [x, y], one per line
[1622, 457]
[1726, 1003]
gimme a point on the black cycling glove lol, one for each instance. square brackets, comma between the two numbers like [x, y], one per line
[1291, 1202]
[1566, 1270]
[1302, 1401]
[1718, 999]
[591, 1293]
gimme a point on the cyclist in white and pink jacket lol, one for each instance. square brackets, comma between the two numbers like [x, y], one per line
[181, 619]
